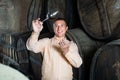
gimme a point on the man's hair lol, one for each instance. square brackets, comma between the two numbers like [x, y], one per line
[60, 19]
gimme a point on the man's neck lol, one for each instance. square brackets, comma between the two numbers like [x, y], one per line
[59, 38]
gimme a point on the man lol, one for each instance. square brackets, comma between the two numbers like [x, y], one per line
[59, 54]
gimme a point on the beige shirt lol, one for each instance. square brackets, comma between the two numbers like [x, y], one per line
[56, 65]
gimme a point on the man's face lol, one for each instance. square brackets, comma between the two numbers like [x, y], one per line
[60, 28]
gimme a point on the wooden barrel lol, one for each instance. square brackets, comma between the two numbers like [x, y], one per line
[34, 12]
[105, 64]
[8, 73]
[87, 47]
[8, 43]
[99, 18]
[22, 53]
[13, 15]
[36, 65]
[7, 13]
[85, 44]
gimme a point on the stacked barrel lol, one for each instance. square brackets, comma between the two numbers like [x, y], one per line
[8, 48]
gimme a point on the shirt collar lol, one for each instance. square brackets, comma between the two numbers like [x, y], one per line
[57, 40]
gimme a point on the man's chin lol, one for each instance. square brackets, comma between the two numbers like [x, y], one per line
[59, 35]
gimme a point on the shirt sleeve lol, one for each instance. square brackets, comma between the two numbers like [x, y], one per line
[36, 45]
[73, 56]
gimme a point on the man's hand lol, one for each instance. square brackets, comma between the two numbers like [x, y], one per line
[37, 25]
[64, 46]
